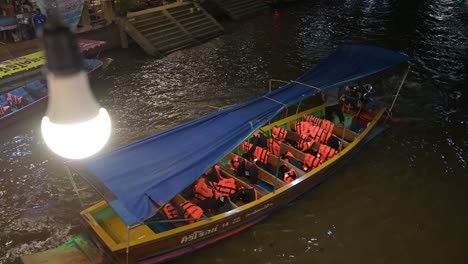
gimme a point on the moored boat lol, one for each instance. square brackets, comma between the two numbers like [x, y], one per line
[25, 69]
[25, 101]
[138, 181]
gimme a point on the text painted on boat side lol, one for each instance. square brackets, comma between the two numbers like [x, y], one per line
[198, 234]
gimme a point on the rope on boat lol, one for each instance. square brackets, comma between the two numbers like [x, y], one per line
[276, 101]
[398, 93]
[251, 125]
[74, 185]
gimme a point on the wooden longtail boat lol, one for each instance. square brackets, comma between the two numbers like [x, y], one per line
[25, 69]
[138, 180]
[35, 94]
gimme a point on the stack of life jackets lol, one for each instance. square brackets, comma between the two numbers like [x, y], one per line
[202, 191]
[170, 212]
[310, 131]
[279, 133]
[311, 162]
[259, 153]
[322, 123]
[191, 211]
[304, 143]
[238, 166]
[273, 146]
[325, 152]
[225, 187]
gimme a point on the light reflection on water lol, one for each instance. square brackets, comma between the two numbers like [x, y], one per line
[402, 195]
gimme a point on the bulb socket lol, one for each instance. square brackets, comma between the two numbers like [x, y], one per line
[61, 47]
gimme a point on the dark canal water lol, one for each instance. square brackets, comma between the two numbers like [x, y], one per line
[401, 200]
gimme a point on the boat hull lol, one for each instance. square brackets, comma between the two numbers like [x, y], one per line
[203, 233]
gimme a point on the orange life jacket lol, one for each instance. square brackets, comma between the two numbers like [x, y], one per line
[246, 146]
[279, 133]
[322, 123]
[15, 101]
[288, 154]
[217, 169]
[4, 109]
[226, 186]
[303, 143]
[234, 163]
[191, 211]
[316, 121]
[302, 128]
[326, 152]
[289, 176]
[318, 134]
[327, 125]
[170, 211]
[311, 162]
[260, 154]
[202, 191]
[273, 146]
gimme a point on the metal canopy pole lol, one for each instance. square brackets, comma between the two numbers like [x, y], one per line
[128, 242]
[308, 85]
[275, 80]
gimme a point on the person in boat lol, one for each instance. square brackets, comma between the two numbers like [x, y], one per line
[16, 101]
[331, 102]
[5, 110]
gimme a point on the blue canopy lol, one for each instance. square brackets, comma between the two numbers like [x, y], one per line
[159, 167]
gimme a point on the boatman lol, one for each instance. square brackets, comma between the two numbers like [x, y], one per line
[331, 102]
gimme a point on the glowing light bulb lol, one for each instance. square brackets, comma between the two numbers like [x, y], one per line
[75, 126]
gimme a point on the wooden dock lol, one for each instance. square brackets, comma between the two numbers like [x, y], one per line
[162, 30]
[238, 9]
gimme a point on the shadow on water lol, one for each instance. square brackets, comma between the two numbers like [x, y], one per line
[402, 199]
